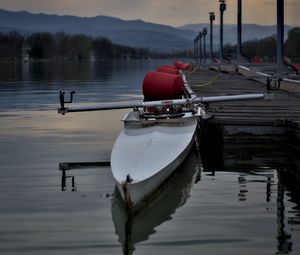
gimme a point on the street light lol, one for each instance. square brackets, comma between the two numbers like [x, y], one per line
[212, 17]
[195, 49]
[200, 47]
[204, 44]
[239, 31]
[222, 9]
[280, 37]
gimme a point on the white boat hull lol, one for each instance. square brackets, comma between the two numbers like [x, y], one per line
[142, 159]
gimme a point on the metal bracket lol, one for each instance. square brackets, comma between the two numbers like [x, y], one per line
[64, 178]
[62, 108]
[276, 83]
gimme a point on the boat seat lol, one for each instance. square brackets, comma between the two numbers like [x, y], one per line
[163, 116]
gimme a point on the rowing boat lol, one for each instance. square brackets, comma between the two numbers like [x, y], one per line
[157, 136]
[148, 150]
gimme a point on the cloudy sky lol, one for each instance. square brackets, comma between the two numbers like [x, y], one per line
[170, 12]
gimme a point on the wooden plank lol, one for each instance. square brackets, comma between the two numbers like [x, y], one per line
[284, 108]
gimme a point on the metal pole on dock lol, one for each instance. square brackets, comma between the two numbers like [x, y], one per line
[197, 48]
[194, 53]
[200, 47]
[239, 31]
[222, 9]
[204, 45]
[280, 37]
[197, 58]
[212, 17]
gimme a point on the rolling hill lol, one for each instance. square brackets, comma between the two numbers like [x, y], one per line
[136, 33]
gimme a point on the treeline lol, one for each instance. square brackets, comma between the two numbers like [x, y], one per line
[64, 46]
[266, 48]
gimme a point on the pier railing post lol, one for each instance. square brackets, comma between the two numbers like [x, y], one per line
[212, 17]
[200, 47]
[194, 51]
[197, 48]
[280, 37]
[222, 9]
[239, 32]
[204, 45]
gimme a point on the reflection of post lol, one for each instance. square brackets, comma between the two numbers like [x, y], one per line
[243, 188]
[73, 184]
[284, 245]
[269, 191]
[198, 168]
[63, 180]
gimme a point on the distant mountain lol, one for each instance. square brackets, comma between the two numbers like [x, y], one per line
[249, 31]
[135, 33]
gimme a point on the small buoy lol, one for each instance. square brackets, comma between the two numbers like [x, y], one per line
[162, 86]
[182, 66]
[166, 69]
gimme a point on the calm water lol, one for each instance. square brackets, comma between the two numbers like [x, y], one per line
[242, 200]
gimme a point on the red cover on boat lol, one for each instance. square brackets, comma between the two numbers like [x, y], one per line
[166, 69]
[297, 66]
[162, 86]
[182, 66]
[172, 67]
[186, 67]
[178, 64]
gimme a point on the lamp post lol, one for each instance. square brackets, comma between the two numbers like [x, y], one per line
[204, 32]
[239, 31]
[280, 37]
[200, 47]
[212, 17]
[222, 9]
[195, 50]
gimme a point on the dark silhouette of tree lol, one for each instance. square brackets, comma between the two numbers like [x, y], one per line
[292, 44]
[43, 45]
[103, 47]
[11, 46]
[265, 48]
[65, 46]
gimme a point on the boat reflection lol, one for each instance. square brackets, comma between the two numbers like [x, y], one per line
[133, 227]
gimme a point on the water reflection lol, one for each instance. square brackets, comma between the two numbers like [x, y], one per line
[51, 71]
[36, 84]
[135, 227]
[289, 187]
[276, 166]
[284, 238]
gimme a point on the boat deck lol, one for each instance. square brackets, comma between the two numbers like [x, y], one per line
[258, 119]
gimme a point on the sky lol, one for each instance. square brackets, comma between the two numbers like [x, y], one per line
[168, 12]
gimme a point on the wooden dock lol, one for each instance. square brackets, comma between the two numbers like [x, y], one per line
[273, 120]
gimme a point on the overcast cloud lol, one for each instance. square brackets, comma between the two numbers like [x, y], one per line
[170, 12]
